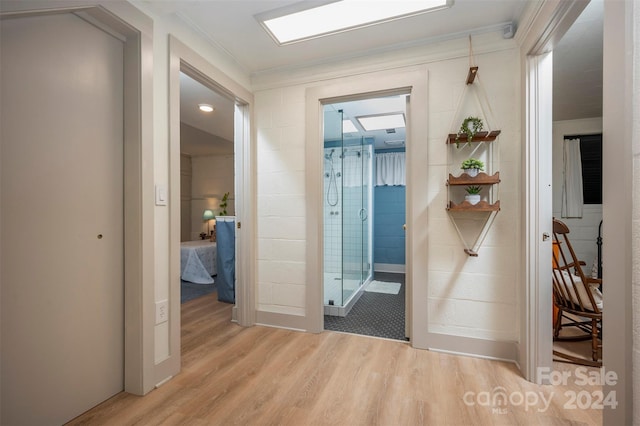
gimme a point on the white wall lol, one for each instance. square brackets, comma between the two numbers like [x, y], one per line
[584, 231]
[279, 119]
[213, 176]
[620, 196]
[474, 297]
[185, 197]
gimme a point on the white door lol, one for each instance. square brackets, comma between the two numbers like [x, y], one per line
[61, 216]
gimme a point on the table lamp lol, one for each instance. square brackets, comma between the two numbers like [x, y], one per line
[207, 215]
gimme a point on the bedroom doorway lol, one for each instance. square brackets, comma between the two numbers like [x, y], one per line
[207, 183]
[240, 185]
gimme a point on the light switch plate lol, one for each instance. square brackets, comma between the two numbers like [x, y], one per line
[161, 195]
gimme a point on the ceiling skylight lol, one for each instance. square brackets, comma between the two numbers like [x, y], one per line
[382, 121]
[339, 16]
[348, 127]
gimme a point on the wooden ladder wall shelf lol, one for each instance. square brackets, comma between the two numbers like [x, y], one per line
[481, 144]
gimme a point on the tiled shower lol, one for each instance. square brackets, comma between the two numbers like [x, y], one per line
[347, 222]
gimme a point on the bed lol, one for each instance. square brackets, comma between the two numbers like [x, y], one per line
[198, 261]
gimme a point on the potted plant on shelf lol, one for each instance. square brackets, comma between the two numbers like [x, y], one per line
[472, 166]
[469, 127]
[223, 204]
[473, 194]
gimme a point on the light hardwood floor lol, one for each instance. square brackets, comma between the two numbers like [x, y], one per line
[269, 376]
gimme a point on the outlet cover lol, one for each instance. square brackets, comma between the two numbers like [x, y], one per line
[162, 311]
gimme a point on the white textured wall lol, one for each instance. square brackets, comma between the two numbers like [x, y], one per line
[620, 191]
[473, 297]
[280, 126]
[185, 198]
[212, 177]
[584, 231]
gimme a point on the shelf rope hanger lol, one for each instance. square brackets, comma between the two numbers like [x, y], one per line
[473, 77]
[473, 80]
[473, 70]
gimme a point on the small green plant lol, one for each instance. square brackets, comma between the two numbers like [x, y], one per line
[469, 127]
[472, 163]
[223, 204]
[473, 189]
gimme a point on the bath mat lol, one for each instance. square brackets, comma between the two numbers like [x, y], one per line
[383, 287]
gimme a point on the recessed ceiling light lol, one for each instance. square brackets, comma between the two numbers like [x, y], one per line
[348, 127]
[381, 121]
[205, 107]
[287, 26]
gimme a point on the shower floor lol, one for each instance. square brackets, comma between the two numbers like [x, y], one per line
[343, 292]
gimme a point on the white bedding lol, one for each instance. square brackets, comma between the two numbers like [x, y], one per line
[198, 261]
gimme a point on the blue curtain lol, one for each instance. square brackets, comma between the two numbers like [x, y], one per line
[226, 259]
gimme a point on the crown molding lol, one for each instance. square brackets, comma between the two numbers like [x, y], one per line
[420, 53]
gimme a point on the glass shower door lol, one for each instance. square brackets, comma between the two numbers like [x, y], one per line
[353, 216]
[365, 215]
[346, 212]
[332, 208]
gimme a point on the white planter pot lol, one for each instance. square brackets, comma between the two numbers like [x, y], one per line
[472, 198]
[472, 172]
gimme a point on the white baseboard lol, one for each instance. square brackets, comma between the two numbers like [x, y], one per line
[469, 346]
[278, 320]
[389, 267]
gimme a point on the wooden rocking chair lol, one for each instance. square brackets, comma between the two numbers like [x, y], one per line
[577, 295]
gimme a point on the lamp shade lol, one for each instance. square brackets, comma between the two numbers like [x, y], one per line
[208, 215]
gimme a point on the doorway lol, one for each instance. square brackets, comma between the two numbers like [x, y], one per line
[577, 145]
[207, 182]
[63, 217]
[184, 60]
[364, 211]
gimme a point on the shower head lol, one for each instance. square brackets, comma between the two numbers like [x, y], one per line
[329, 156]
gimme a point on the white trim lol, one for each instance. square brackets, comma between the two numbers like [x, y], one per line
[389, 267]
[536, 297]
[385, 60]
[618, 191]
[477, 348]
[412, 82]
[546, 24]
[182, 58]
[278, 320]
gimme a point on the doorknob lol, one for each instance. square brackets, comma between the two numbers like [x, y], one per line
[545, 236]
[404, 227]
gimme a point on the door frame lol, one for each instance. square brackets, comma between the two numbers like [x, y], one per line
[184, 59]
[551, 21]
[414, 84]
[124, 21]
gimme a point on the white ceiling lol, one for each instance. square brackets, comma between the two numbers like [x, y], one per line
[577, 67]
[230, 26]
[218, 123]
